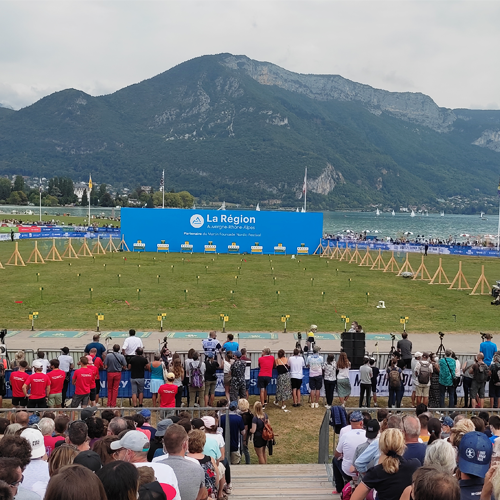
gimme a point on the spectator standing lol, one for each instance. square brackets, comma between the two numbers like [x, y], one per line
[167, 392]
[137, 364]
[41, 359]
[238, 387]
[446, 376]
[17, 380]
[98, 367]
[157, 379]
[178, 371]
[39, 384]
[131, 344]
[114, 364]
[435, 389]
[66, 364]
[266, 365]
[365, 376]
[196, 380]
[474, 456]
[346, 448]
[244, 409]
[375, 373]
[259, 420]
[96, 344]
[230, 344]
[414, 361]
[296, 363]
[82, 380]
[20, 356]
[248, 367]
[315, 365]
[343, 382]
[411, 431]
[422, 375]
[310, 337]
[57, 378]
[11, 472]
[467, 381]
[395, 376]
[404, 347]
[36, 473]
[494, 388]
[211, 344]
[479, 372]
[211, 366]
[330, 378]
[190, 475]
[236, 431]
[226, 366]
[488, 349]
[283, 386]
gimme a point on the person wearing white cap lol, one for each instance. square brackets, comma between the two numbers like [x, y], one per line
[310, 336]
[133, 447]
[36, 474]
[39, 384]
[414, 382]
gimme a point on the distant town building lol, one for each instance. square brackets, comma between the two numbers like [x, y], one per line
[79, 188]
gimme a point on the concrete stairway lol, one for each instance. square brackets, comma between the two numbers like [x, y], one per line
[290, 481]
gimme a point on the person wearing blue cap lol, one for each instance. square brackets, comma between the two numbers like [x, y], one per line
[474, 457]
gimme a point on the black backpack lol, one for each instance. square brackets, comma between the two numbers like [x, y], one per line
[495, 379]
[482, 372]
[424, 374]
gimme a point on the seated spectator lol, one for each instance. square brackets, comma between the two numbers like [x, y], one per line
[63, 455]
[75, 482]
[36, 473]
[103, 448]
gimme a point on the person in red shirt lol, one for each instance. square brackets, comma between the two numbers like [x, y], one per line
[167, 392]
[39, 384]
[98, 365]
[57, 377]
[93, 383]
[17, 380]
[82, 380]
[266, 365]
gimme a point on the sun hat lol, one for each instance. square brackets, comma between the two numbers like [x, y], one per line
[418, 354]
[474, 454]
[35, 439]
[133, 440]
[162, 427]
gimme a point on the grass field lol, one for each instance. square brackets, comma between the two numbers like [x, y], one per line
[65, 301]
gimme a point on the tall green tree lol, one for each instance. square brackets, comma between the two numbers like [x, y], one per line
[5, 188]
[18, 183]
[85, 199]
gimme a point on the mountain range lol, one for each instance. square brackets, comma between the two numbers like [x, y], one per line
[227, 127]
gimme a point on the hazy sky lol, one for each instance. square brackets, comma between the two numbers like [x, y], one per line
[446, 49]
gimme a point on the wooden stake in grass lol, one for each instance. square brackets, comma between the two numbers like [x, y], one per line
[53, 254]
[118, 276]
[122, 245]
[277, 295]
[347, 253]
[138, 267]
[349, 280]
[462, 282]
[422, 272]
[367, 295]
[391, 265]
[110, 246]
[284, 319]
[41, 293]
[78, 275]
[172, 267]
[439, 275]
[367, 260]
[97, 248]
[355, 256]
[197, 280]
[483, 282]
[312, 281]
[158, 278]
[185, 295]
[37, 276]
[84, 249]
[406, 267]
[36, 256]
[15, 258]
[323, 296]
[236, 280]
[336, 253]
[378, 264]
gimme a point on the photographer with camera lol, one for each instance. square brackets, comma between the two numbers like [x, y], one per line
[404, 347]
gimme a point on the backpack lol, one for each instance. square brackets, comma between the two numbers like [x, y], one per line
[425, 373]
[394, 379]
[211, 367]
[197, 379]
[495, 379]
[267, 431]
[482, 373]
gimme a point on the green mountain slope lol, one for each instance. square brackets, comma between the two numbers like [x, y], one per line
[228, 128]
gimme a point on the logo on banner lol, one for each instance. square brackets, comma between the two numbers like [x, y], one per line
[197, 221]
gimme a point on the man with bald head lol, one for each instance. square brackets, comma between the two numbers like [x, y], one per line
[22, 417]
[411, 430]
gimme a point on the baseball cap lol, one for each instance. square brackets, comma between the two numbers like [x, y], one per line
[209, 354]
[133, 440]
[447, 421]
[156, 490]
[145, 413]
[233, 405]
[474, 454]
[356, 416]
[89, 459]
[37, 364]
[372, 429]
[91, 361]
[170, 376]
[88, 412]
[238, 354]
[34, 419]
[162, 427]
[35, 439]
[197, 423]
[418, 354]
[314, 327]
[208, 421]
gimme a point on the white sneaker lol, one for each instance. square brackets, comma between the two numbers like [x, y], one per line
[327, 407]
[312, 405]
[283, 407]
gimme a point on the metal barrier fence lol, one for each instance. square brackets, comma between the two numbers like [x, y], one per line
[157, 414]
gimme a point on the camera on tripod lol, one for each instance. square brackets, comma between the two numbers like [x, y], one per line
[393, 337]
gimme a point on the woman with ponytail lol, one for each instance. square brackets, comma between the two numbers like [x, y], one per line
[393, 473]
[434, 428]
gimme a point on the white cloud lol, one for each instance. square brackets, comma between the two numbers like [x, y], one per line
[442, 48]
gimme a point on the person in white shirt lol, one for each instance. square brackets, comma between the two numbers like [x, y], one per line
[36, 473]
[131, 344]
[41, 359]
[296, 364]
[346, 448]
[133, 448]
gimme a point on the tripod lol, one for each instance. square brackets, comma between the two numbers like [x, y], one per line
[392, 352]
[440, 350]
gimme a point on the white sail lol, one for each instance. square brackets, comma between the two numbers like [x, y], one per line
[377, 212]
[257, 208]
[393, 212]
[223, 206]
[412, 214]
[442, 214]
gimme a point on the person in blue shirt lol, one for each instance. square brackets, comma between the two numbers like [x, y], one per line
[101, 350]
[230, 345]
[488, 348]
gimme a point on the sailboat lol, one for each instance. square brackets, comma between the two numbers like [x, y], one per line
[393, 212]
[412, 213]
[257, 208]
[377, 212]
[442, 214]
[482, 216]
[223, 206]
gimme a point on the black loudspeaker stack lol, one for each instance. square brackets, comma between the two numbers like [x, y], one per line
[353, 344]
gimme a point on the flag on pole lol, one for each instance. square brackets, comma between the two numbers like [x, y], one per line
[90, 182]
[162, 181]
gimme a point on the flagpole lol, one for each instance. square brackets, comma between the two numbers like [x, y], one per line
[90, 190]
[163, 187]
[498, 232]
[40, 193]
[305, 192]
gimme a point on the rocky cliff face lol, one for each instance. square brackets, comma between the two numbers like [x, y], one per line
[412, 107]
[489, 139]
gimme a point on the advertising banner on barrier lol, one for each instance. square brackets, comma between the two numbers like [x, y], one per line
[230, 231]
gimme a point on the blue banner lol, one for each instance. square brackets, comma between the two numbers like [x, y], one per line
[230, 231]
